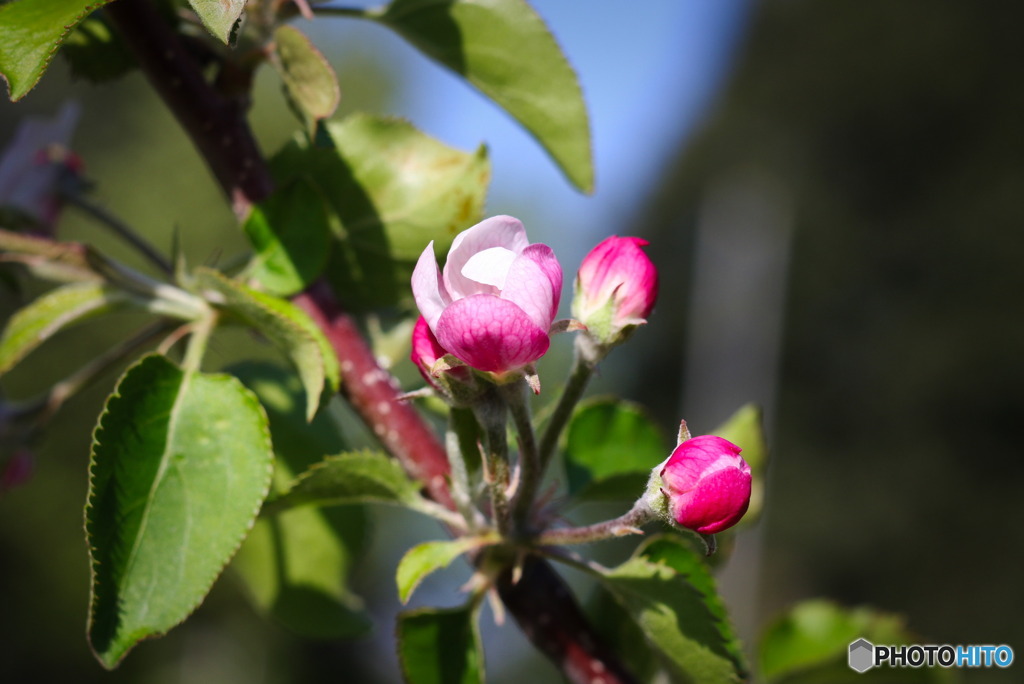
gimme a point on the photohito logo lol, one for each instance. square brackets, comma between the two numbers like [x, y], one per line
[865, 655]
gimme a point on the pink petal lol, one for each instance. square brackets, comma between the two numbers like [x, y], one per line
[531, 284]
[497, 231]
[427, 290]
[718, 502]
[491, 334]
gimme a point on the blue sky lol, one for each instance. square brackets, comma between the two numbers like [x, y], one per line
[649, 72]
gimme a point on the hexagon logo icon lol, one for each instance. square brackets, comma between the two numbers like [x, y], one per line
[862, 655]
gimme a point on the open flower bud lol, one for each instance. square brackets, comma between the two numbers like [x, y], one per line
[703, 486]
[493, 304]
[615, 289]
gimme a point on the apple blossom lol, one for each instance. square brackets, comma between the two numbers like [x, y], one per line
[493, 304]
[703, 486]
[615, 289]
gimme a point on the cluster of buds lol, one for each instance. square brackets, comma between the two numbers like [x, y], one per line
[487, 317]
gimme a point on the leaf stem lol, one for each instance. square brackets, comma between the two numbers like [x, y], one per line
[197, 342]
[460, 486]
[120, 229]
[628, 523]
[530, 473]
[579, 375]
[492, 414]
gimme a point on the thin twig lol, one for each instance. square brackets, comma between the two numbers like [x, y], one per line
[121, 229]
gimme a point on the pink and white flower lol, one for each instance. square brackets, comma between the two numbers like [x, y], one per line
[707, 483]
[493, 304]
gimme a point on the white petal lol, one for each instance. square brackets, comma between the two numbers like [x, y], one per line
[490, 267]
[497, 231]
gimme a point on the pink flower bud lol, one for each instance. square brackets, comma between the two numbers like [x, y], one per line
[493, 304]
[707, 484]
[615, 289]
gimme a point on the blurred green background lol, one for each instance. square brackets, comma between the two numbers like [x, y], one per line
[838, 239]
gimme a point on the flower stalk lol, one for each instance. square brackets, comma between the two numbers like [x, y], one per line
[628, 523]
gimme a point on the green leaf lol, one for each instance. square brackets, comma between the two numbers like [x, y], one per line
[425, 558]
[611, 447]
[504, 49]
[219, 16]
[32, 32]
[296, 564]
[675, 618]
[391, 190]
[44, 317]
[440, 646]
[291, 235]
[180, 465]
[675, 553]
[356, 477]
[295, 567]
[745, 429]
[309, 81]
[618, 629]
[46, 258]
[288, 327]
[811, 644]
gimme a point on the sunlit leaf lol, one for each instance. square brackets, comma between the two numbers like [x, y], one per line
[181, 462]
[676, 619]
[391, 190]
[611, 447]
[356, 477]
[310, 83]
[440, 646]
[675, 553]
[428, 557]
[287, 326]
[32, 32]
[219, 16]
[291, 235]
[504, 49]
[44, 317]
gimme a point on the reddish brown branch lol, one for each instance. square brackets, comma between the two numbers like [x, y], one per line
[215, 122]
[546, 611]
[374, 395]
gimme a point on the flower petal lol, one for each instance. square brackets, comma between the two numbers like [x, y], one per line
[427, 289]
[490, 267]
[497, 231]
[534, 283]
[491, 334]
[717, 503]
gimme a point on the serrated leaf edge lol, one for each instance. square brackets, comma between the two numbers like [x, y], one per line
[106, 297]
[249, 397]
[68, 28]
